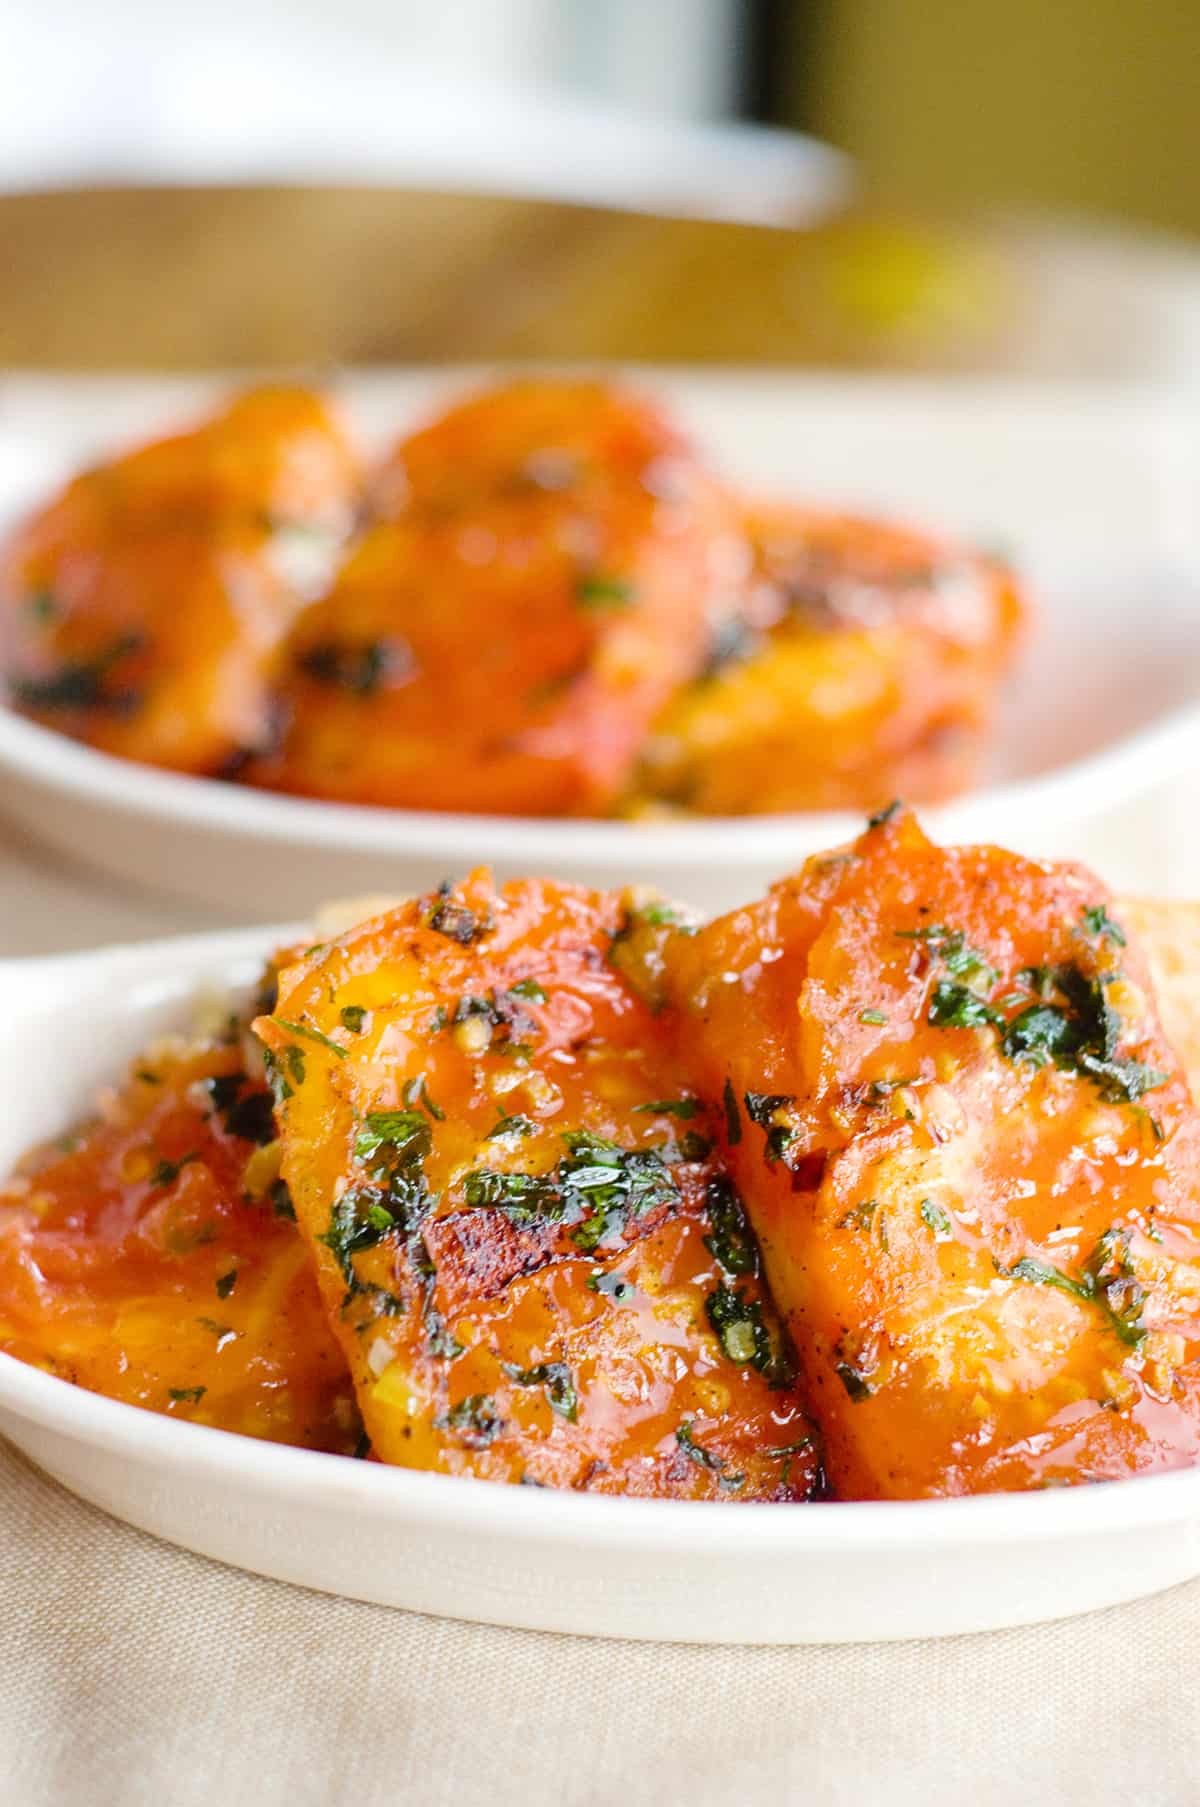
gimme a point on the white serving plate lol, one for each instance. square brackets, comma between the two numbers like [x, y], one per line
[695, 1572]
[1091, 490]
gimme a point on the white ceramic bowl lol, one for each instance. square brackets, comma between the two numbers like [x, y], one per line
[703, 1573]
[1093, 492]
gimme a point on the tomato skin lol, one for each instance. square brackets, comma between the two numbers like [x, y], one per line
[135, 1265]
[142, 609]
[988, 1264]
[529, 1342]
[867, 668]
[540, 581]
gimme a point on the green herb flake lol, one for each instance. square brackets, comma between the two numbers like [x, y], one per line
[955, 1006]
[669, 1107]
[516, 1125]
[612, 1286]
[312, 1035]
[528, 988]
[404, 1135]
[187, 1395]
[558, 1382]
[226, 1282]
[361, 669]
[417, 1092]
[877, 1017]
[856, 1384]
[454, 920]
[731, 1240]
[696, 1452]
[473, 1420]
[1106, 1279]
[884, 816]
[733, 1120]
[82, 683]
[1098, 922]
[763, 1109]
[599, 591]
[936, 1219]
[740, 1330]
[167, 1172]
[353, 1016]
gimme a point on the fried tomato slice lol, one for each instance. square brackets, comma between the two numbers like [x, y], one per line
[153, 1257]
[970, 1156]
[536, 1269]
[143, 608]
[864, 665]
[540, 582]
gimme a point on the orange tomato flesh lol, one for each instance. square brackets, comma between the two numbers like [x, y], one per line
[133, 1262]
[987, 1252]
[516, 1220]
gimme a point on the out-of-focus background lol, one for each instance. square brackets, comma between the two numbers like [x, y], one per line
[926, 184]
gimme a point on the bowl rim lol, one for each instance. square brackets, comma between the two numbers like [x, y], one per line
[470, 1505]
[1077, 790]
[467, 1504]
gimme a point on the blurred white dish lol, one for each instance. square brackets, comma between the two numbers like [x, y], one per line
[694, 1572]
[1091, 491]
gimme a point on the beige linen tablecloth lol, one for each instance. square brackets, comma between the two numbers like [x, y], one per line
[134, 1675]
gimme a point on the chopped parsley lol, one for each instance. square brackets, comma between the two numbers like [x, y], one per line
[1098, 922]
[528, 988]
[740, 1330]
[281, 1201]
[42, 605]
[731, 1240]
[353, 1016]
[954, 951]
[762, 1109]
[883, 816]
[613, 1286]
[474, 1420]
[695, 1452]
[935, 1218]
[82, 683]
[417, 1092]
[955, 1006]
[733, 1121]
[226, 1283]
[558, 1382]
[669, 1107]
[599, 591]
[1106, 1279]
[596, 1185]
[167, 1172]
[439, 1340]
[516, 1125]
[856, 1383]
[188, 1395]
[360, 669]
[401, 1135]
[878, 1017]
[309, 1034]
[359, 1221]
[247, 1114]
[454, 920]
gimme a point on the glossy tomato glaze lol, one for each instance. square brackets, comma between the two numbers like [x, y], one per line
[866, 666]
[541, 603]
[143, 608]
[543, 577]
[134, 1262]
[971, 1158]
[536, 1268]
